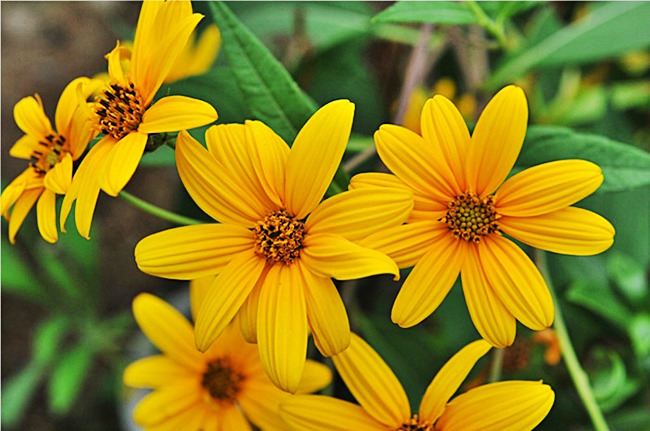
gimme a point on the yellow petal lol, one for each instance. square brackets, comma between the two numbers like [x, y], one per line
[225, 297]
[326, 313]
[197, 57]
[146, 37]
[46, 216]
[377, 179]
[496, 140]
[172, 113]
[503, 406]
[154, 372]
[166, 402]
[319, 413]
[115, 70]
[409, 157]
[215, 190]
[198, 290]
[82, 131]
[548, 187]
[448, 380]
[192, 418]
[248, 311]
[14, 190]
[260, 400]
[59, 178]
[517, 282]
[315, 156]
[491, 318]
[122, 162]
[233, 419]
[24, 147]
[168, 330]
[282, 327]
[31, 118]
[333, 256]
[445, 130]
[372, 383]
[407, 243]
[315, 377]
[430, 281]
[68, 104]
[20, 210]
[189, 252]
[570, 230]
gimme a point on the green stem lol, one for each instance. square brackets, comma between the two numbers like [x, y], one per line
[578, 375]
[157, 211]
[483, 20]
[497, 365]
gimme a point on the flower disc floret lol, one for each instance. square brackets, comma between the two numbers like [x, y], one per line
[222, 381]
[120, 110]
[44, 159]
[470, 217]
[278, 237]
[416, 424]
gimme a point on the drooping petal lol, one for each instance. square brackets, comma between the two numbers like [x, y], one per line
[333, 256]
[226, 295]
[199, 288]
[24, 147]
[358, 213]
[407, 243]
[82, 131]
[155, 371]
[407, 155]
[46, 216]
[571, 230]
[326, 313]
[315, 156]
[20, 210]
[172, 113]
[320, 413]
[122, 162]
[430, 281]
[31, 118]
[282, 328]
[503, 406]
[491, 318]
[449, 378]
[12, 192]
[548, 187]
[315, 377]
[59, 178]
[372, 383]
[496, 140]
[445, 130]
[68, 103]
[215, 190]
[248, 311]
[516, 282]
[166, 402]
[189, 252]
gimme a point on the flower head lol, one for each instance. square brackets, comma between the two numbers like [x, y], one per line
[123, 111]
[222, 388]
[458, 221]
[50, 152]
[277, 247]
[514, 405]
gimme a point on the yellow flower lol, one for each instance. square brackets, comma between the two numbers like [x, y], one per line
[198, 56]
[274, 262]
[122, 112]
[221, 389]
[457, 222]
[503, 406]
[50, 153]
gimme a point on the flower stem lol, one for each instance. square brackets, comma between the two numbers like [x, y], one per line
[578, 375]
[157, 211]
[483, 20]
[496, 365]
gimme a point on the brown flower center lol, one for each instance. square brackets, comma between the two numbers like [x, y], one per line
[222, 381]
[416, 424]
[43, 159]
[120, 109]
[278, 237]
[470, 217]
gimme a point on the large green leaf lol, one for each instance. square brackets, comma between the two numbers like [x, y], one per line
[624, 166]
[601, 300]
[440, 12]
[68, 377]
[611, 29]
[17, 391]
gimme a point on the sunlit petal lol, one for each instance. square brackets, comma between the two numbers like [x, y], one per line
[172, 113]
[154, 372]
[24, 147]
[20, 210]
[46, 216]
[31, 118]
[319, 413]
[59, 178]
[121, 163]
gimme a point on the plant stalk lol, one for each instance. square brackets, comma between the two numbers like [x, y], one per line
[157, 211]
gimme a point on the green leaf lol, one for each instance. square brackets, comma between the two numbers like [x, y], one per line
[611, 385]
[639, 331]
[68, 378]
[612, 29]
[440, 12]
[629, 276]
[601, 300]
[16, 275]
[624, 166]
[17, 391]
[47, 339]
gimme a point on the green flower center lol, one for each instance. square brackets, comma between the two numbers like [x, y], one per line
[44, 159]
[470, 217]
[222, 381]
[416, 424]
[120, 110]
[278, 237]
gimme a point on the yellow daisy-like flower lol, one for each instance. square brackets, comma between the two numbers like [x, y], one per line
[458, 219]
[277, 247]
[503, 406]
[223, 389]
[122, 112]
[50, 153]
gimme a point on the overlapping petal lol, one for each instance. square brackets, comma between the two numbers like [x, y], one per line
[319, 413]
[260, 401]
[59, 178]
[173, 113]
[46, 216]
[21, 208]
[199, 288]
[68, 104]
[31, 118]
[155, 371]
[166, 402]
[233, 419]
[248, 311]
[24, 147]
[121, 162]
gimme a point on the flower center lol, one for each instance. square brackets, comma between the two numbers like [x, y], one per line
[120, 110]
[416, 424]
[278, 237]
[470, 217]
[44, 159]
[222, 381]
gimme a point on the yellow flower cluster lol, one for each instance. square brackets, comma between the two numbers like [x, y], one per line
[262, 274]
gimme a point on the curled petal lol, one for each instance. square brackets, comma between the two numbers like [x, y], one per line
[31, 118]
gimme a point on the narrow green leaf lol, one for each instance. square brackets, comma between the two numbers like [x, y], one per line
[68, 378]
[624, 166]
[17, 391]
[47, 339]
[610, 384]
[600, 300]
[629, 275]
[16, 275]
[439, 12]
[640, 334]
